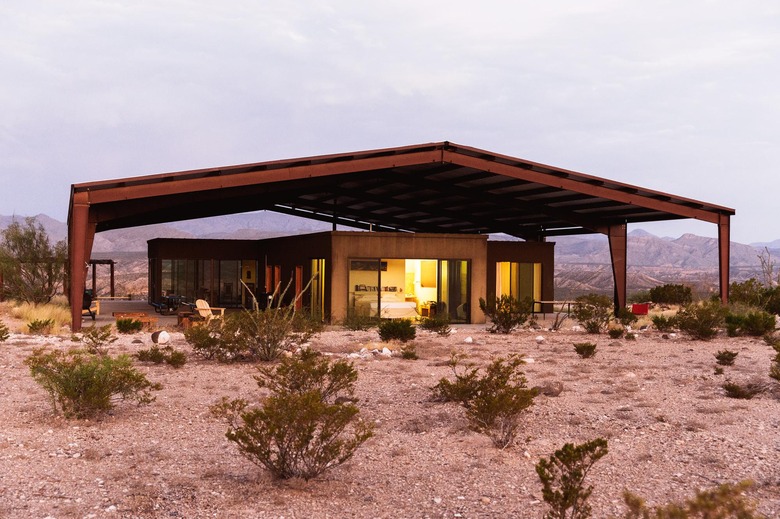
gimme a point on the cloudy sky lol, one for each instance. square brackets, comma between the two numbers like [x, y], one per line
[682, 97]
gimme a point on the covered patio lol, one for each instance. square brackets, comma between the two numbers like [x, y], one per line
[429, 188]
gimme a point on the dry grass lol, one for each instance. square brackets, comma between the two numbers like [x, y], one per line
[58, 313]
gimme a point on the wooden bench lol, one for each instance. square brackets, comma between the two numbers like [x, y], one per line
[148, 321]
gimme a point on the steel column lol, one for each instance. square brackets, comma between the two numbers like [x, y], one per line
[724, 253]
[618, 251]
[81, 233]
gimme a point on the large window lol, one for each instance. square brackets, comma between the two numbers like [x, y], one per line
[318, 287]
[519, 280]
[409, 288]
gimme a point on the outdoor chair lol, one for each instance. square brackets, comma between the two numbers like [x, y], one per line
[86, 305]
[208, 313]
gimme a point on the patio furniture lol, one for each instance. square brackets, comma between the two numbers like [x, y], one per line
[208, 313]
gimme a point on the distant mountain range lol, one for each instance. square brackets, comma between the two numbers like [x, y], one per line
[582, 261]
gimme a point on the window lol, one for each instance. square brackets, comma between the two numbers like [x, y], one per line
[519, 280]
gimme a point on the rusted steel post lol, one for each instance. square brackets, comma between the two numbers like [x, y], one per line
[618, 251]
[724, 250]
[81, 233]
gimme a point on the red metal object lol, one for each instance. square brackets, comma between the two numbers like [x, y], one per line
[640, 308]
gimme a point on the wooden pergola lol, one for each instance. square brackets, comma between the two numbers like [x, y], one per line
[437, 188]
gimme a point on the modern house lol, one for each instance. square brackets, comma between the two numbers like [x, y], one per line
[384, 274]
[427, 208]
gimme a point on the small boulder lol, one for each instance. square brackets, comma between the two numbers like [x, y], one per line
[161, 337]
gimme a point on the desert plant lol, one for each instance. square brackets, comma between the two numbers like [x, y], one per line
[663, 323]
[40, 326]
[409, 352]
[462, 389]
[205, 341]
[626, 317]
[397, 330]
[58, 313]
[128, 325]
[439, 324]
[97, 338]
[718, 371]
[671, 294]
[744, 391]
[303, 428]
[615, 333]
[494, 400]
[563, 478]
[166, 354]
[630, 336]
[701, 321]
[593, 311]
[723, 502]
[506, 313]
[726, 357]
[33, 269]
[749, 293]
[81, 384]
[309, 371]
[585, 349]
[774, 370]
[749, 321]
[4, 332]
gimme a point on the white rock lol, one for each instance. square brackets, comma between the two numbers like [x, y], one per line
[539, 339]
[528, 360]
[468, 340]
[437, 500]
[161, 337]
[576, 328]
[386, 352]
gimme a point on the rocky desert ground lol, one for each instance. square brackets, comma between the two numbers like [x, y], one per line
[671, 431]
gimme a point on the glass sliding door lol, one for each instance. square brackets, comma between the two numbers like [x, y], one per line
[318, 287]
[363, 285]
[519, 280]
[454, 291]
[229, 276]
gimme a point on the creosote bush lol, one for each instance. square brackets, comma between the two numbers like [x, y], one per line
[494, 400]
[671, 294]
[774, 370]
[585, 349]
[726, 357]
[701, 321]
[40, 326]
[166, 354]
[128, 325]
[615, 333]
[97, 338]
[593, 311]
[725, 501]
[306, 425]
[81, 384]
[563, 478]
[397, 330]
[664, 323]
[4, 332]
[744, 391]
[357, 322]
[749, 321]
[409, 352]
[437, 324]
[506, 313]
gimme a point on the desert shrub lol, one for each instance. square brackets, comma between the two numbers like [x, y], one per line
[128, 325]
[97, 338]
[718, 371]
[4, 332]
[462, 389]
[309, 371]
[81, 384]
[40, 326]
[303, 428]
[494, 400]
[744, 391]
[749, 293]
[258, 334]
[615, 333]
[306, 322]
[663, 323]
[774, 370]
[630, 336]
[563, 478]
[701, 321]
[439, 324]
[593, 311]
[749, 321]
[772, 300]
[640, 296]
[671, 294]
[726, 357]
[626, 317]
[166, 354]
[725, 501]
[205, 342]
[409, 352]
[356, 322]
[397, 330]
[506, 313]
[585, 349]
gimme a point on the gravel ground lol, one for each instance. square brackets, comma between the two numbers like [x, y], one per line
[670, 427]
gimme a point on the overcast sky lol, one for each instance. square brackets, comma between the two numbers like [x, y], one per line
[682, 97]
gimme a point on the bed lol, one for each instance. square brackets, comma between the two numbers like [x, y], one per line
[396, 309]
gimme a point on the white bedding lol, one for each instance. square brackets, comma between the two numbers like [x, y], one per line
[396, 309]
